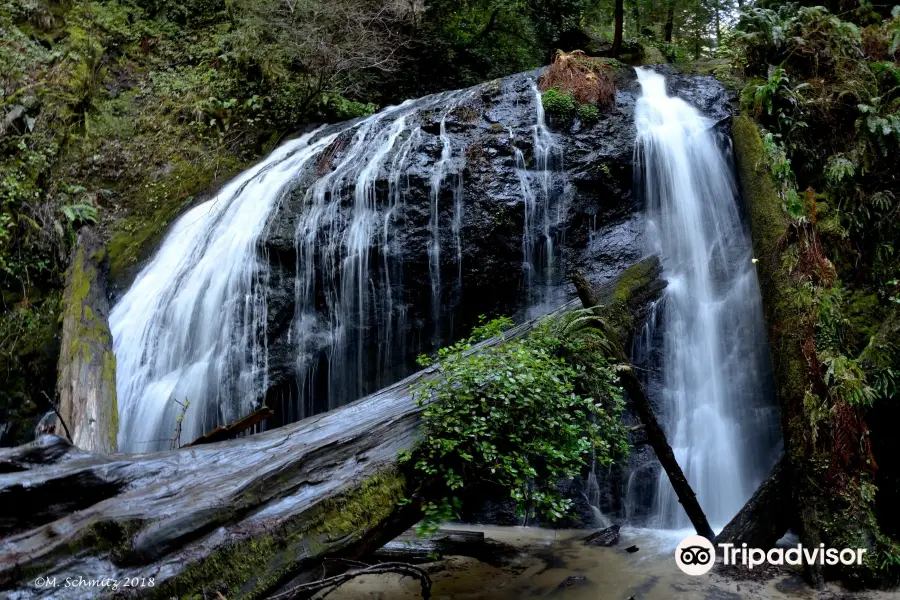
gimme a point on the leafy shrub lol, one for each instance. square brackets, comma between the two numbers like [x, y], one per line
[558, 105]
[518, 415]
[673, 53]
[588, 114]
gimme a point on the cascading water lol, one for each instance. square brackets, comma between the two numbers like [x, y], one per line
[191, 328]
[539, 195]
[196, 324]
[712, 373]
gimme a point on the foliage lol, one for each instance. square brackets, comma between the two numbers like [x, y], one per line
[588, 114]
[522, 414]
[777, 98]
[585, 79]
[831, 101]
[559, 105]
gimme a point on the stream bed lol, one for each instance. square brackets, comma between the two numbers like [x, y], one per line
[547, 563]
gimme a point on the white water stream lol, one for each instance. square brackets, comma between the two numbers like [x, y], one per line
[713, 371]
[193, 326]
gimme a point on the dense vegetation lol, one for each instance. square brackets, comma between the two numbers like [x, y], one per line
[120, 113]
[521, 415]
[826, 91]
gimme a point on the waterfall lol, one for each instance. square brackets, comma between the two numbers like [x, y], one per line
[191, 328]
[712, 373]
[196, 324]
[539, 195]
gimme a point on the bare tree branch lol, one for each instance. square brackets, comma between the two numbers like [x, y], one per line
[332, 583]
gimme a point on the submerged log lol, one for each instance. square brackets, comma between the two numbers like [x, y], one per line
[767, 516]
[656, 437]
[245, 517]
[604, 537]
[411, 548]
[87, 365]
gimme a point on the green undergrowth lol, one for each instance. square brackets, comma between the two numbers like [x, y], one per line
[824, 93]
[522, 414]
[122, 113]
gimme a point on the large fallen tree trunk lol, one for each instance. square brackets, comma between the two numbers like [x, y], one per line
[767, 516]
[244, 517]
[656, 437]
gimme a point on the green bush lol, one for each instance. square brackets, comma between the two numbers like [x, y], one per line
[588, 114]
[522, 415]
[559, 105]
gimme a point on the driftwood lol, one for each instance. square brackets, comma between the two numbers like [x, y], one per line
[656, 437]
[604, 537]
[411, 548]
[246, 517]
[767, 516]
[331, 583]
[87, 367]
[231, 431]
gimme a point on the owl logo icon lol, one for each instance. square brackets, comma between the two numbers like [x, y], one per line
[695, 555]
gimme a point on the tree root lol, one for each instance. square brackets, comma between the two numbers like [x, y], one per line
[329, 584]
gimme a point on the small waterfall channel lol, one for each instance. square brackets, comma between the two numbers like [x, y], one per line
[704, 345]
[194, 324]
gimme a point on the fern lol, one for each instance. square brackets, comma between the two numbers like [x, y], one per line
[79, 212]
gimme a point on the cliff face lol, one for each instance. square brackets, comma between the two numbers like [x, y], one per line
[512, 216]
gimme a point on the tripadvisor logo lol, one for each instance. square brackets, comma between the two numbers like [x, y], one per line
[696, 555]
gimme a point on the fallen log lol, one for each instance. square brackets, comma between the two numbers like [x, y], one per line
[411, 548]
[247, 517]
[656, 437]
[767, 516]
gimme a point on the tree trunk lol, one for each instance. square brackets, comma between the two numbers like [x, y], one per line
[670, 20]
[767, 516]
[620, 18]
[789, 330]
[718, 27]
[656, 437]
[246, 517]
[87, 366]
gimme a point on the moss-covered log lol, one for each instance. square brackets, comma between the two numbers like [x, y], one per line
[790, 322]
[87, 365]
[245, 517]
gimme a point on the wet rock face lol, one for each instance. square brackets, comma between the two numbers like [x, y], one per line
[456, 228]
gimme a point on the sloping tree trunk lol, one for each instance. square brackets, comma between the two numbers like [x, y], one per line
[789, 328]
[87, 366]
[244, 517]
[656, 437]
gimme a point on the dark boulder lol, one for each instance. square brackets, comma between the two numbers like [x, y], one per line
[516, 207]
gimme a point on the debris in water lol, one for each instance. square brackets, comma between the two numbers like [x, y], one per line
[632, 549]
[605, 537]
[572, 580]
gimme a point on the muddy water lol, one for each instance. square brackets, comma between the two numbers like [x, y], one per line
[543, 559]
